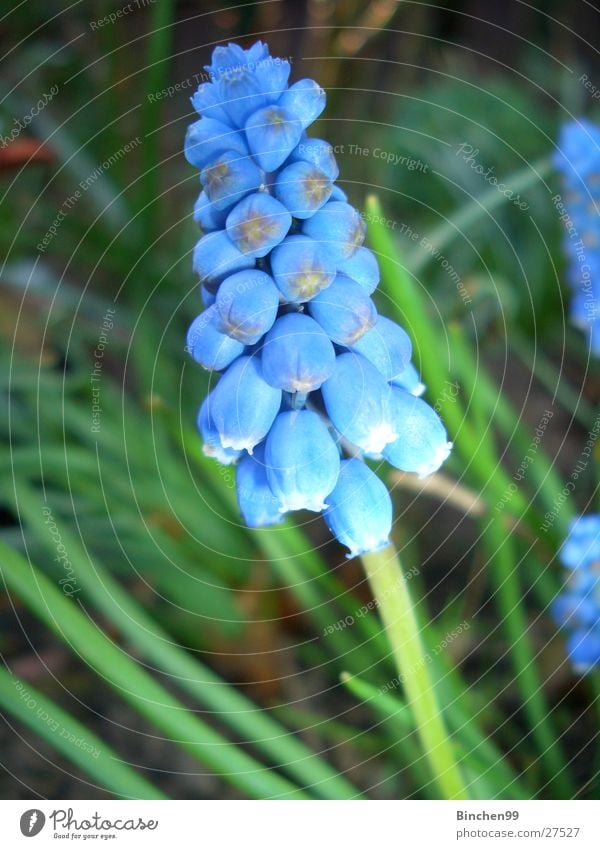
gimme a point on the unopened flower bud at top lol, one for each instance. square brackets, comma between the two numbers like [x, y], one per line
[246, 80]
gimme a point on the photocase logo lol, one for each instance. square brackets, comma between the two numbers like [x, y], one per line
[32, 822]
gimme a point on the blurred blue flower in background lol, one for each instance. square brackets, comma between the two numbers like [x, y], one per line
[311, 372]
[577, 609]
[578, 160]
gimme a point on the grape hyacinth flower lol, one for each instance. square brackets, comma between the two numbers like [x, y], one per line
[314, 381]
[577, 608]
[578, 160]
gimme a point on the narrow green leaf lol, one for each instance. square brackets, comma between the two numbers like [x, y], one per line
[233, 708]
[72, 739]
[485, 780]
[475, 209]
[136, 686]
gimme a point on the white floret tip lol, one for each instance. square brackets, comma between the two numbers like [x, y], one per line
[378, 437]
[440, 455]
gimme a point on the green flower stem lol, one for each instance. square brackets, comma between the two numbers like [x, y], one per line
[488, 774]
[390, 589]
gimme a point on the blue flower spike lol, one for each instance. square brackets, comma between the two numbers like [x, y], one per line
[578, 161]
[311, 381]
[577, 608]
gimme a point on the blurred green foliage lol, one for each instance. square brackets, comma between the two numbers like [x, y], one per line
[180, 609]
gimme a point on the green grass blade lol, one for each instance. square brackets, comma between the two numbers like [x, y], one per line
[159, 48]
[72, 739]
[502, 562]
[233, 708]
[476, 448]
[135, 685]
[398, 722]
[495, 407]
[488, 777]
[475, 209]
[552, 379]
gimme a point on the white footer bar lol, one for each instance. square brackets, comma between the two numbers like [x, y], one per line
[300, 825]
